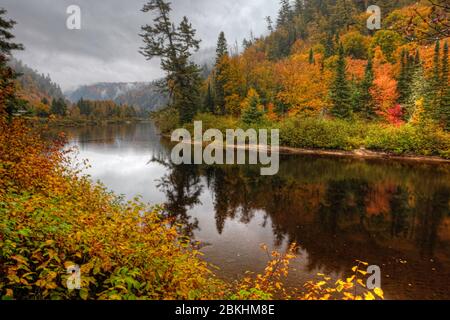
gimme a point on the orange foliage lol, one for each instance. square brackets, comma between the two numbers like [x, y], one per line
[304, 85]
[384, 91]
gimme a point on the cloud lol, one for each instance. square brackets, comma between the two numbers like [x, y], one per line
[106, 48]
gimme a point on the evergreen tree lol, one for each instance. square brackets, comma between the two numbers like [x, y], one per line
[367, 104]
[174, 45]
[340, 90]
[435, 83]
[311, 57]
[8, 97]
[58, 107]
[252, 114]
[329, 45]
[417, 102]
[220, 69]
[402, 82]
[285, 14]
[444, 108]
[209, 100]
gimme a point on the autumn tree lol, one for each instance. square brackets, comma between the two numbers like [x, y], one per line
[174, 45]
[340, 89]
[8, 97]
[222, 64]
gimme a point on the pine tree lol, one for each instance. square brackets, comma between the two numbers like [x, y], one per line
[433, 95]
[59, 107]
[402, 83]
[311, 57]
[220, 69]
[298, 8]
[368, 106]
[417, 102]
[174, 45]
[8, 97]
[340, 90]
[252, 114]
[209, 100]
[329, 45]
[444, 108]
[285, 14]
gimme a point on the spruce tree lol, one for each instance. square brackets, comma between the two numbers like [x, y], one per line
[252, 114]
[209, 100]
[444, 108]
[311, 57]
[340, 89]
[8, 97]
[219, 81]
[285, 14]
[58, 107]
[174, 45]
[368, 106]
[433, 95]
[402, 81]
[417, 98]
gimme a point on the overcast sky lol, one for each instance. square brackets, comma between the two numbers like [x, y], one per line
[106, 47]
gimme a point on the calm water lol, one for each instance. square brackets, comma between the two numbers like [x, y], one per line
[395, 215]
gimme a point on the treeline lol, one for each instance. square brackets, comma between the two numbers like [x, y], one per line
[318, 60]
[84, 110]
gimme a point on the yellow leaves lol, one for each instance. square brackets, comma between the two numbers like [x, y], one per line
[369, 296]
[379, 292]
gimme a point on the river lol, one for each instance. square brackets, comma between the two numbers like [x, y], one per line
[391, 214]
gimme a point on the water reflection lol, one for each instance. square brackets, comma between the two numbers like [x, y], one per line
[395, 215]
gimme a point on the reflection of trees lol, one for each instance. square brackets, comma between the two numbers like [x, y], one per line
[347, 212]
[338, 211]
[182, 187]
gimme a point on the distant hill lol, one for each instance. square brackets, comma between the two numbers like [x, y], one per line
[147, 96]
[35, 86]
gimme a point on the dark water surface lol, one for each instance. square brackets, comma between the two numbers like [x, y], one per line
[392, 214]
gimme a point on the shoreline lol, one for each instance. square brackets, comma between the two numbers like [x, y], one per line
[355, 154]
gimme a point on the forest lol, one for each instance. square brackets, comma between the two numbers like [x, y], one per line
[325, 79]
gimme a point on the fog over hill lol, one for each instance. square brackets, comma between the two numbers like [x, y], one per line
[145, 95]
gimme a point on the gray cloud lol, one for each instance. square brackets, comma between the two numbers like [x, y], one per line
[106, 48]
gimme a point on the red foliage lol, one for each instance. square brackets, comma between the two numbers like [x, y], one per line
[395, 115]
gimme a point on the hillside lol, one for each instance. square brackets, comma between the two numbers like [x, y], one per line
[147, 96]
[34, 86]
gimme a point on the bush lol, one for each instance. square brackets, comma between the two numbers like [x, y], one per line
[321, 134]
[427, 140]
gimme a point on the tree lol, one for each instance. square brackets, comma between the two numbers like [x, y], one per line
[368, 106]
[362, 99]
[340, 89]
[444, 108]
[311, 56]
[434, 96]
[8, 97]
[284, 15]
[417, 103]
[59, 107]
[209, 100]
[252, 114]
[221, 67]
[174, 46]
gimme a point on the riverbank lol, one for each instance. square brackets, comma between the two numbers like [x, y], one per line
[63, 122]
[333, 137]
